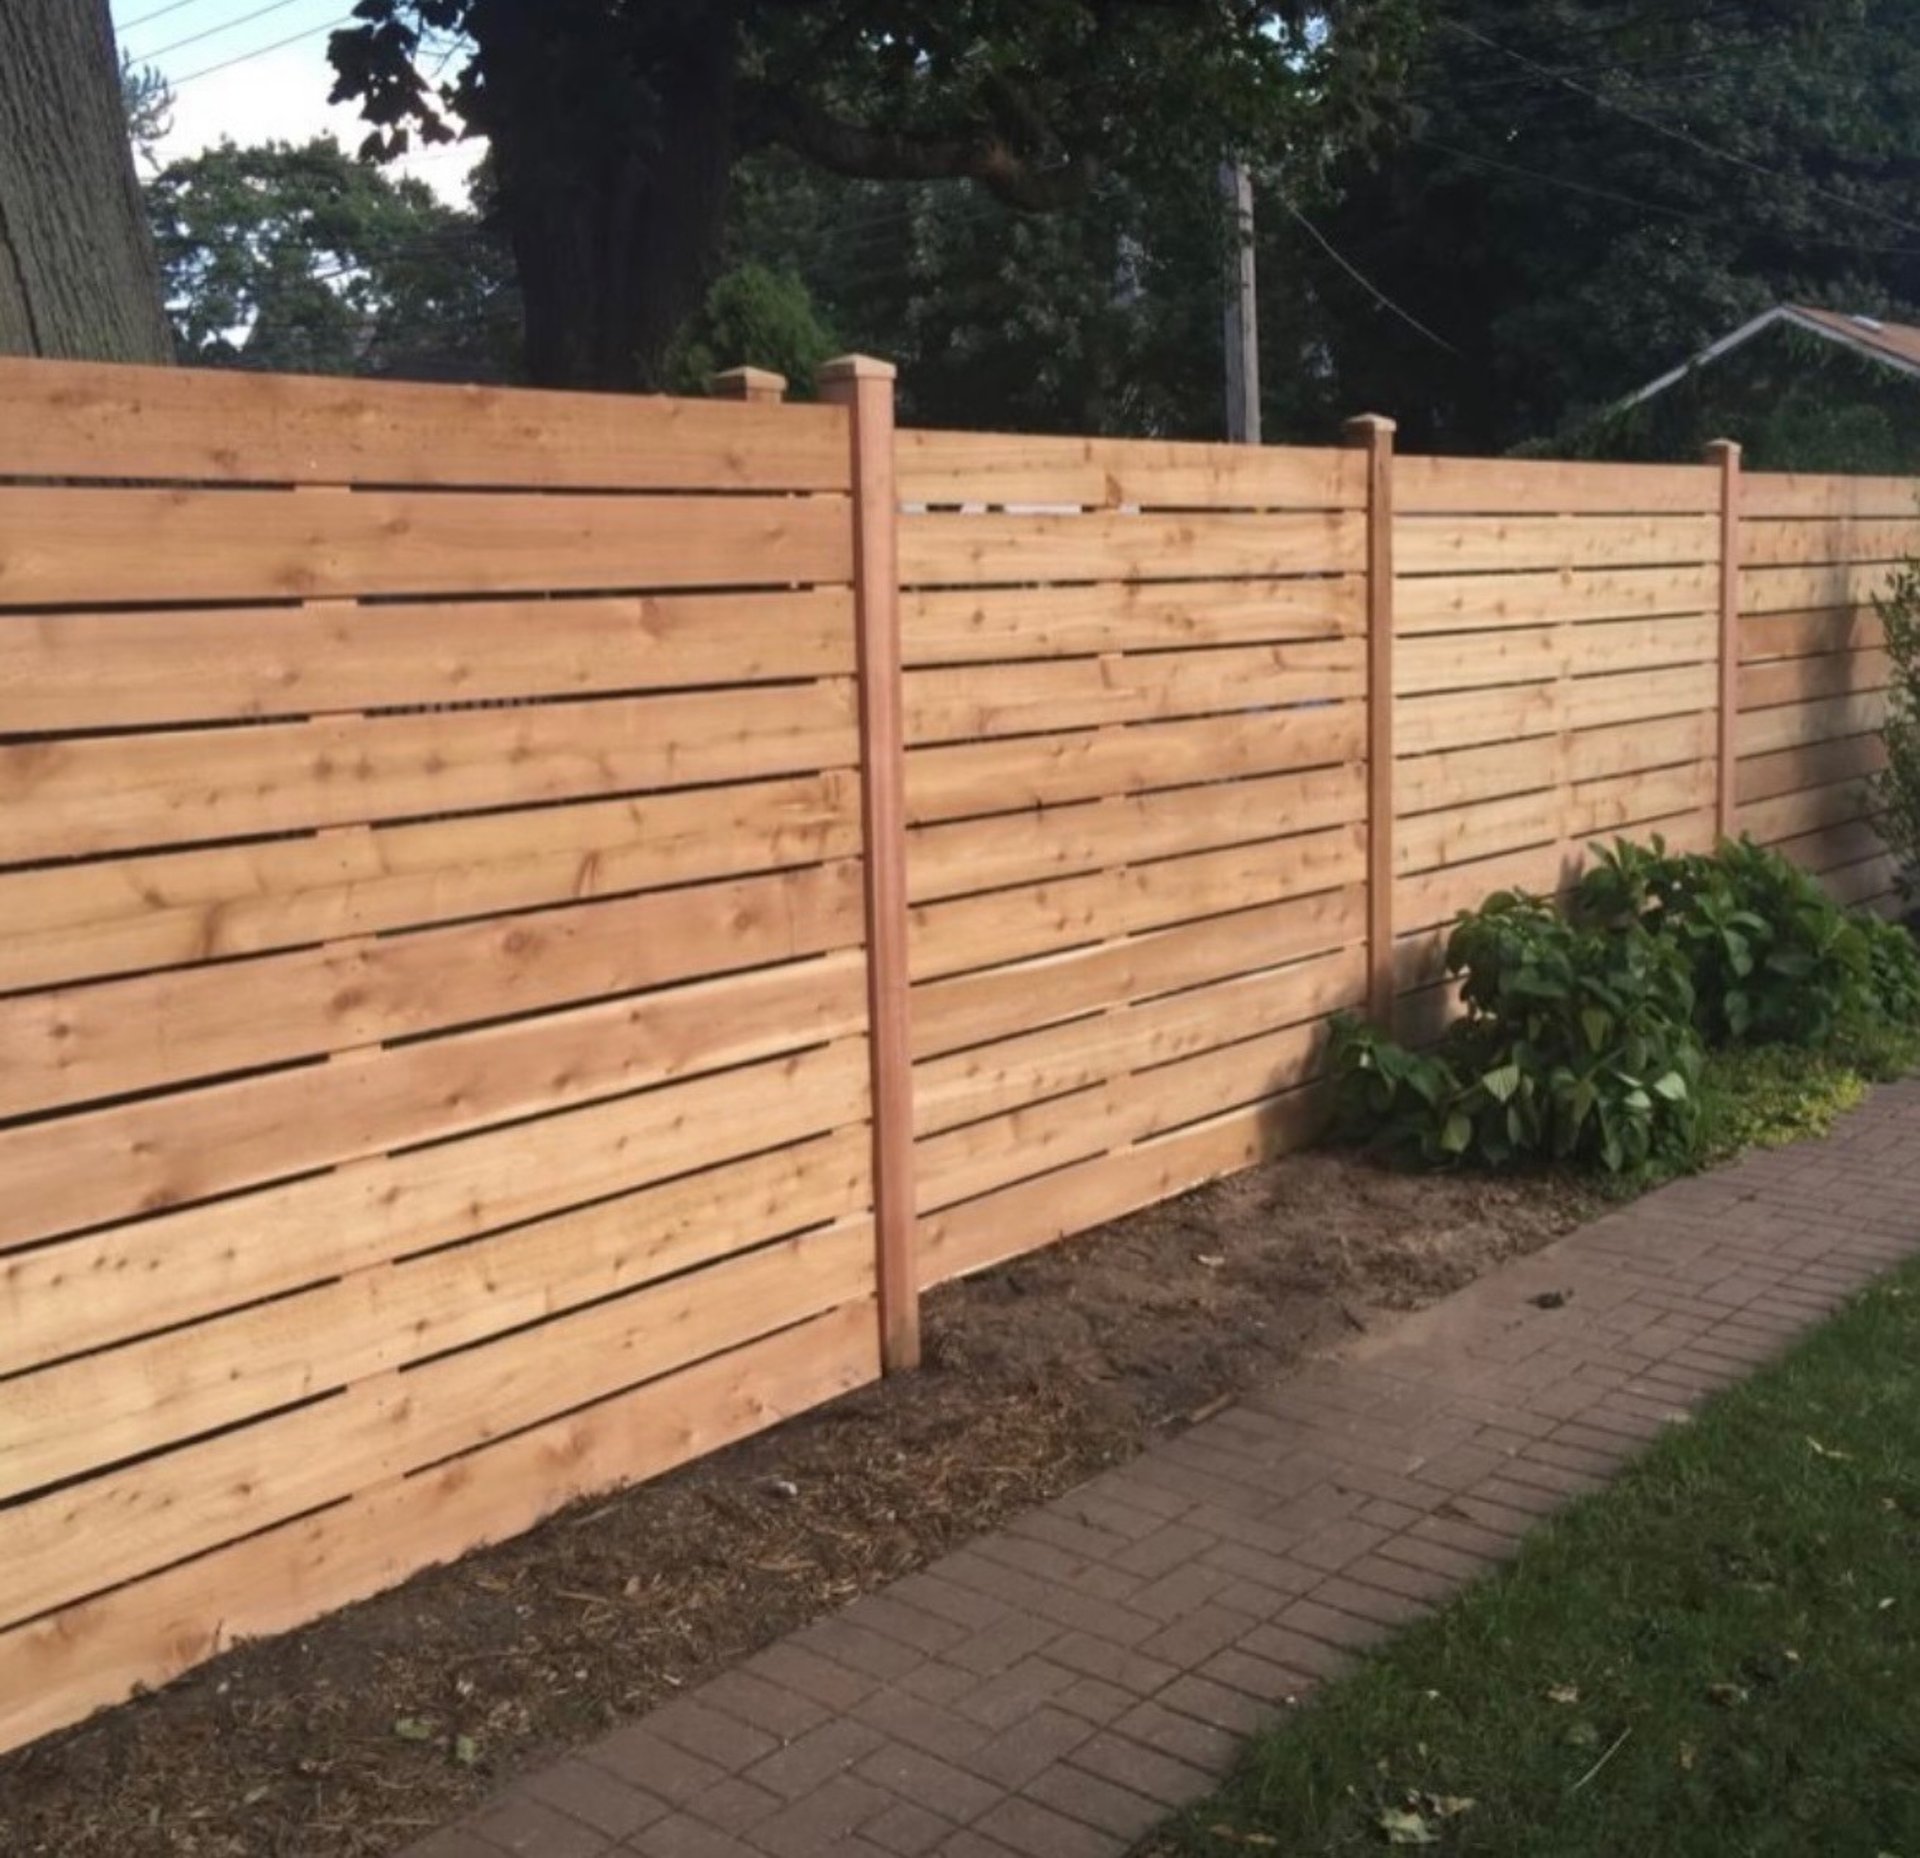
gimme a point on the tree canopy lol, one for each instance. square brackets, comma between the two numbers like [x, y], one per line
[616, 126]
[306, 259]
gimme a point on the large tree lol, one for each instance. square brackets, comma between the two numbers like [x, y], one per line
[77, 271]
[616, 125]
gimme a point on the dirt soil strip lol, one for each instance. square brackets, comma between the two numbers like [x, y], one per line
[384, 1720]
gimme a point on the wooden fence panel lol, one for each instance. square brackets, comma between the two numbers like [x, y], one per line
[1135, 694]
[452, 856]
[1815, 555]
[1556, 679]
[434, 1076]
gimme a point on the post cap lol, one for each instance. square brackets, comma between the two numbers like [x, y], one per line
[856, 368]
[747, 384]
[1723, 448]
[1364, 425]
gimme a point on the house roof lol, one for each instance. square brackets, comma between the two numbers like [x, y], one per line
[1896, 345]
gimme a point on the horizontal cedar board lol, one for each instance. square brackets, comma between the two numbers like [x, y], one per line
[1807, 809]
[1006, 467]
[96, 1409]
[1788, 493]
[1831, 848]
[998, 1226]
[112, 1038]
[1796, 680]
[1803, 635]
[1796, 590]
[972, 702]
[71, 547]
[960, 780]
[87, 419]
[1517, 486]
[969, 1009]
[1103, 545]
[199, 1495]
[1783, 544]
[1812, 764]
[1462, 776]
[989, 1079]
[72, 922]
[1867, 885]
[1436, 897]
[966, 626]
[1795, 725]
[1024, 848]
[1455, 835]
[1455, 544]
[181, 1266]
[981, 1157]
[1463, 719]
[1521, 655]
[1483, 602]
[68, 798]
[97, 1653]
[1008, 925]
[72, 671]
[107, 1164]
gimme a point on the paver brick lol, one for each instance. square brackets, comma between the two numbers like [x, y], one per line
[937, 1785]
[1115, 1810]
[596, 1797]
[530, 1828]
[1037, 1831]
[1035, 1743]
[906, 1829]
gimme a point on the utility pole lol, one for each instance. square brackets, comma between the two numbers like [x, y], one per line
[1242, 310]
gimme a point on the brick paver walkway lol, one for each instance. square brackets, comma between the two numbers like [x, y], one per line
[1053, 1690]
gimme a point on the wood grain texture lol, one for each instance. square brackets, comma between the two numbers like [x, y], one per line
[76, 547]
[74, 419]
[113, 1038]
[1021, 468]
[1518, 486]
[74, 922]
[1812, 764]
[152, 1153]
[83, 1657]
[1102, 545]
[946, 626]
[74, 671]
[1480, 602]
[1787, 493]
[1507, 544]
[76, 797]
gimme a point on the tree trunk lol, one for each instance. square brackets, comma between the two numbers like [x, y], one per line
[77, 270]
[612, 146]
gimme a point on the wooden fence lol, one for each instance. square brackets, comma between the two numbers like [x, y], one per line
[531, 927]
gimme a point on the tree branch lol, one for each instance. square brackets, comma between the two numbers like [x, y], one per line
[772, 116]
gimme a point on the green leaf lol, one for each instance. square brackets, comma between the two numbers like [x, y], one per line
[1673, 1087]
[413, 1729]
[1457, 1133]
[1596, 1022]
[1501, 1082]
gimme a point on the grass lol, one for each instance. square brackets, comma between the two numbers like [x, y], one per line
[1718, 1655]
[1765, 1095]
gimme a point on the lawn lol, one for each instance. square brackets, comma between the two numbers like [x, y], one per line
[1720, 1654]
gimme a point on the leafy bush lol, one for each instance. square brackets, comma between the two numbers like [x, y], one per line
[1772, 958]
[1577, 1046]
[1586, 1032]
[1895, 790]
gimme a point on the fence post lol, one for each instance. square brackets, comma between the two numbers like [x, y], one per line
[1373, 433]
[1726, 813]
[865, 387]
[760, 386]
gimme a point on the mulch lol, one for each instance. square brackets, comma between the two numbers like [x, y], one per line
[384, 1720]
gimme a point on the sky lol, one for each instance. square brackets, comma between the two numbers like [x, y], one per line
[255, 70]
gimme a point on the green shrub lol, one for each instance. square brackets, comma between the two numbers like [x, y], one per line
[1772, 958]
[1586, 1032]
[1577, 1046]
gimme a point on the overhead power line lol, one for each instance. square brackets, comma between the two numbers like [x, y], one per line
[1683, 136]
[1359, 277]
[213, 32]
[260, 51]
[159, 12]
